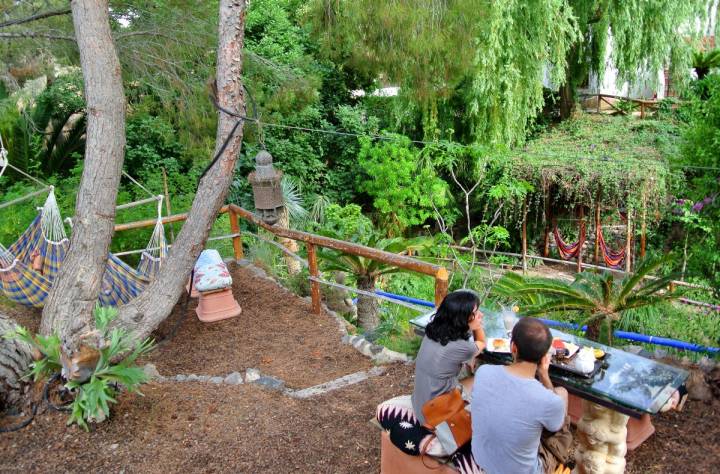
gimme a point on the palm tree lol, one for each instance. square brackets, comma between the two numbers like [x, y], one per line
[368, 271]
[601, 299]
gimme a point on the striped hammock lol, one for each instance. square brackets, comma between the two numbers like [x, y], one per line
[612, 259]
[29, 266]
[566, 250]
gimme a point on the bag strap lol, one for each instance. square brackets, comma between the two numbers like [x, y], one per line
[423, 453]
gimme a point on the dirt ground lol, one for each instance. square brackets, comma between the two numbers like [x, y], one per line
[203, 427]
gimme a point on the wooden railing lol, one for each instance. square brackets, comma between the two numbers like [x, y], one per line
[643, 104]
[311, 241]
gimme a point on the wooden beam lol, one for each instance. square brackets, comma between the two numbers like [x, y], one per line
[314, 272]
[441, 286]
[628, 243]
[152, 222]
[581, 216]
[524, 237]
[395, 260]
[237, 239]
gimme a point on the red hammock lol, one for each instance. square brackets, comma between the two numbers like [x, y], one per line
[568, 251]
[613, 259]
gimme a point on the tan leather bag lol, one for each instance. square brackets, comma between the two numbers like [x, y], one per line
[446, 416]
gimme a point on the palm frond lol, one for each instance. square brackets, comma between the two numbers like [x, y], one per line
[644, 269]
[292, 198]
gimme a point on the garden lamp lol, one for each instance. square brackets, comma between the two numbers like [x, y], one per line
[267, 192]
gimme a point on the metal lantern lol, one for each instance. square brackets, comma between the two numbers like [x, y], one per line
[265, 181]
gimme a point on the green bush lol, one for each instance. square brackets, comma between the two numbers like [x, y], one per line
[94, 394]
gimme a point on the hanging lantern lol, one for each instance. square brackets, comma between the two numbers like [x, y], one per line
[267, 192]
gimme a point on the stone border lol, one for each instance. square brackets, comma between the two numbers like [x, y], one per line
[255, 377]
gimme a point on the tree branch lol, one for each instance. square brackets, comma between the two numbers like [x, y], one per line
[35, 34]
[38, 16]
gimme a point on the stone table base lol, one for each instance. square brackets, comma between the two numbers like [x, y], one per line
[602, 434]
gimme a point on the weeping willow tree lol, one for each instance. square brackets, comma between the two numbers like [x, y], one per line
[642, 38]
[472, 69]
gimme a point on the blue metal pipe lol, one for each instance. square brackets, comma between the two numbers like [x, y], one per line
[406, 299]
[630, 336]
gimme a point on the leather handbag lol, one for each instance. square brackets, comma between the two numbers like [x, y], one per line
[446, 416]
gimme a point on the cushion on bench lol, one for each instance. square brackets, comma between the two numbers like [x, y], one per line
[210, 272]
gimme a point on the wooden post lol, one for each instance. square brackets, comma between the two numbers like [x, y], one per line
[628, 243]
[546, 237]
[642, 110]
[524, 237]
[315, 286]
[597, 229]
[643, 228]
[581, 217]
[598, 104]
[441, 286]
[237, 238]
[167, 205]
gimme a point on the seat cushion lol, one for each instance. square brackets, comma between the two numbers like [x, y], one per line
[211, 273]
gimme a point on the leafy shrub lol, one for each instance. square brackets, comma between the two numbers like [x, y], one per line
[94, 395]
[402, 192]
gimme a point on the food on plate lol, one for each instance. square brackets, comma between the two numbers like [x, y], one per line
[599, 353]
[558, 344]
[499, 344]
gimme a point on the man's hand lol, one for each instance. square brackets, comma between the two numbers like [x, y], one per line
[542, 372]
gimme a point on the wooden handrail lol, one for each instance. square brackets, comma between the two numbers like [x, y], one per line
[151, 222]
[439, 273]
[395, 260]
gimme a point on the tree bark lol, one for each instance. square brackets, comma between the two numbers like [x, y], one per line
[567, 100]
[367, 307]
[146, 312]
[75, 290]
[15, 359]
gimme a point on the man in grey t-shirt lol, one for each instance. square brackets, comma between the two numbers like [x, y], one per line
[511, 409]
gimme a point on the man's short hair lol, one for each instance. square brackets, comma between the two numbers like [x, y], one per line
[532, 338]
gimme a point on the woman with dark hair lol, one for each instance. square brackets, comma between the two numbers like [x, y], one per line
[454, 336]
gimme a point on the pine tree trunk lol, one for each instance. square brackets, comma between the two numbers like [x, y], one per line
[146, 312]
[293, 265]
[15, 359]
[70, 304]
[367, 307]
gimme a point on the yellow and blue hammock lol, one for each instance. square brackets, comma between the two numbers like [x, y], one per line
[29, 266]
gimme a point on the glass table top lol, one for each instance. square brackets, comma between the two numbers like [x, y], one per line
[627, 382]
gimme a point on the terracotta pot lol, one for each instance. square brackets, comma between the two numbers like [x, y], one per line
[216, 306]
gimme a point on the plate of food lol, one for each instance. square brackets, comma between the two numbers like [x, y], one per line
[498, 344]
[564, 349]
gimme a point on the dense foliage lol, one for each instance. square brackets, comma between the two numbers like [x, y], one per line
[465, 148]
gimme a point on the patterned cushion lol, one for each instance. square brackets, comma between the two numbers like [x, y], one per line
[211, 272]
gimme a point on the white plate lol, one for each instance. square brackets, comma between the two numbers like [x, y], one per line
[505, 348]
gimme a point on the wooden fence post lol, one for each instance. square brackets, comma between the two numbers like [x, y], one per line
[237, 238]
[314, 286]
[628, 243]
[581, 216]
[598, 104]
[167, 205]
[524, 237]
[597, 229]
[441, 286]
